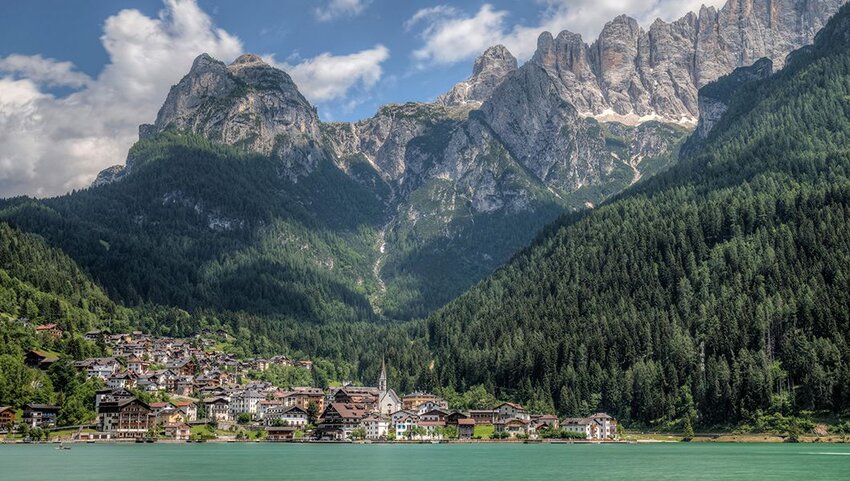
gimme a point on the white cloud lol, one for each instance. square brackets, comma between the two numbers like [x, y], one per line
[45, 71]
[327, 77]
[50, 145]
[450, 36]
[340, 8]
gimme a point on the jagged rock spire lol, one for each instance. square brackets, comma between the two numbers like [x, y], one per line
[488, 72]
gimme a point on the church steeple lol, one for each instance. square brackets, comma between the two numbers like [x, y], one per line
[382, 380]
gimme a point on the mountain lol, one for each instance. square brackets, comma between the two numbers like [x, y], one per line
[488, 72]
[631, 75]
[237, 187]
[718, 287]
[238, 198]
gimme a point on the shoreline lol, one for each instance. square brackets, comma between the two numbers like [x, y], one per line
[718, 439]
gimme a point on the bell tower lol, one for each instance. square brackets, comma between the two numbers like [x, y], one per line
[382, 380]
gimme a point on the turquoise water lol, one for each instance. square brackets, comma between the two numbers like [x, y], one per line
[210, 462]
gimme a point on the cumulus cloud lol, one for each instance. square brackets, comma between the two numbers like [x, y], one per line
[327, 77]
[52, 144]
[46, 71]
[340, 8]
[450, 35]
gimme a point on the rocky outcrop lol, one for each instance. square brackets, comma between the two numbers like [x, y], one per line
[248, 104]
[109, 175]
[633, 75]
[714, 98]
[384, 138]
[544, 133]
[488, 72]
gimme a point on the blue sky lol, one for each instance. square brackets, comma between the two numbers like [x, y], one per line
[77, 77]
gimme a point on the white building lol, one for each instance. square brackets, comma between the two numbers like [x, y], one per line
[291, 415]
[404, 424]
[507, 411]
[245, 402]
[596, 426]
[376, 426]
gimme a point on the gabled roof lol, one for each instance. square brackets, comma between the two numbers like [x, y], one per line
[289, 410]
[40, 407]
[436, 412]
[349, 410]
[375, 417]
[513, 405]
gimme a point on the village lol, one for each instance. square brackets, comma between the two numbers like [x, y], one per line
[185, 390]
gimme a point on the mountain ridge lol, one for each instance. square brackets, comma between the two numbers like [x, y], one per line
[631, 75]
[713, 293]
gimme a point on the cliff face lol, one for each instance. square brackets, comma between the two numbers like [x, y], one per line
[488, 72]
[714, 98]
[247, 103]
[631, 75]
[467, 180]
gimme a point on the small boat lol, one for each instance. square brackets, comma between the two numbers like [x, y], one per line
[62, 447]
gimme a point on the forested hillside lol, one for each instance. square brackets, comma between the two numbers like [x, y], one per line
[721, 287]
[204, 226]
[40, 283]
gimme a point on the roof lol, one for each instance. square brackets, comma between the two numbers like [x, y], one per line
[432, 423]
[281, 429]
[505, 422]
[576, 421]
[45, 354]
[177, 425]
[289, 409]
[348, 410]
[375, 417]
[420, 394]
[5, 408]
[45, 327]
[435, 412]
[466, 422]
[308, 390]
[117, 405]
[513, 405]
[41, 407]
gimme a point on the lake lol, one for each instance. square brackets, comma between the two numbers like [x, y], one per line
[210, 462]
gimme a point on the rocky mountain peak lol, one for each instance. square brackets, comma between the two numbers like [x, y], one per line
[248, 59]
[497, 60]
[487, 73]
[633, 75]
[204, 62]
[248, 104]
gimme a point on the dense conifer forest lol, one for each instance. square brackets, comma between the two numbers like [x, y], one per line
[721, 287]
[709, 294]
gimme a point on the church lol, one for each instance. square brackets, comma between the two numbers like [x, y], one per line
[388, 400]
